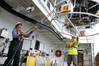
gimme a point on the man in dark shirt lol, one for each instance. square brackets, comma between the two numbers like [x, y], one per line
[16, 44]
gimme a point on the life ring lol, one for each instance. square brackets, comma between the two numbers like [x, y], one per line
[58, 53]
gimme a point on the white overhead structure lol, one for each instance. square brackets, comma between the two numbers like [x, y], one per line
[96, 1]
[48, 13]
[57, 18]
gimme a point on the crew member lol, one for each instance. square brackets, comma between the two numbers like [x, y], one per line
[16, 44]
[72, 51]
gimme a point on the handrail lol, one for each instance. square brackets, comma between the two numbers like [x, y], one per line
[85, 13]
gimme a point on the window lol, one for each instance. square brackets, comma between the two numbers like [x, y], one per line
[37, 45]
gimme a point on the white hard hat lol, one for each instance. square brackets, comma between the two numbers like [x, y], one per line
[18, 23]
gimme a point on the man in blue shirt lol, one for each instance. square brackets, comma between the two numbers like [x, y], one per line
[16, 44]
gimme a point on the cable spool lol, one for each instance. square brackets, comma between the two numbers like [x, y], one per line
[58, 53]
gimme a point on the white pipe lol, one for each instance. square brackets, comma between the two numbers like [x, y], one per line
[93, 6]
[85, 13]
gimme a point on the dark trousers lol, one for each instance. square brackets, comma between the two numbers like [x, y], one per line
[13, 53]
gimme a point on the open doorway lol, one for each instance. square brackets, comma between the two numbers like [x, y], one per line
[80, 58]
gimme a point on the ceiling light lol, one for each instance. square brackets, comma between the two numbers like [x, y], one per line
[97, 13]
[30, 9]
